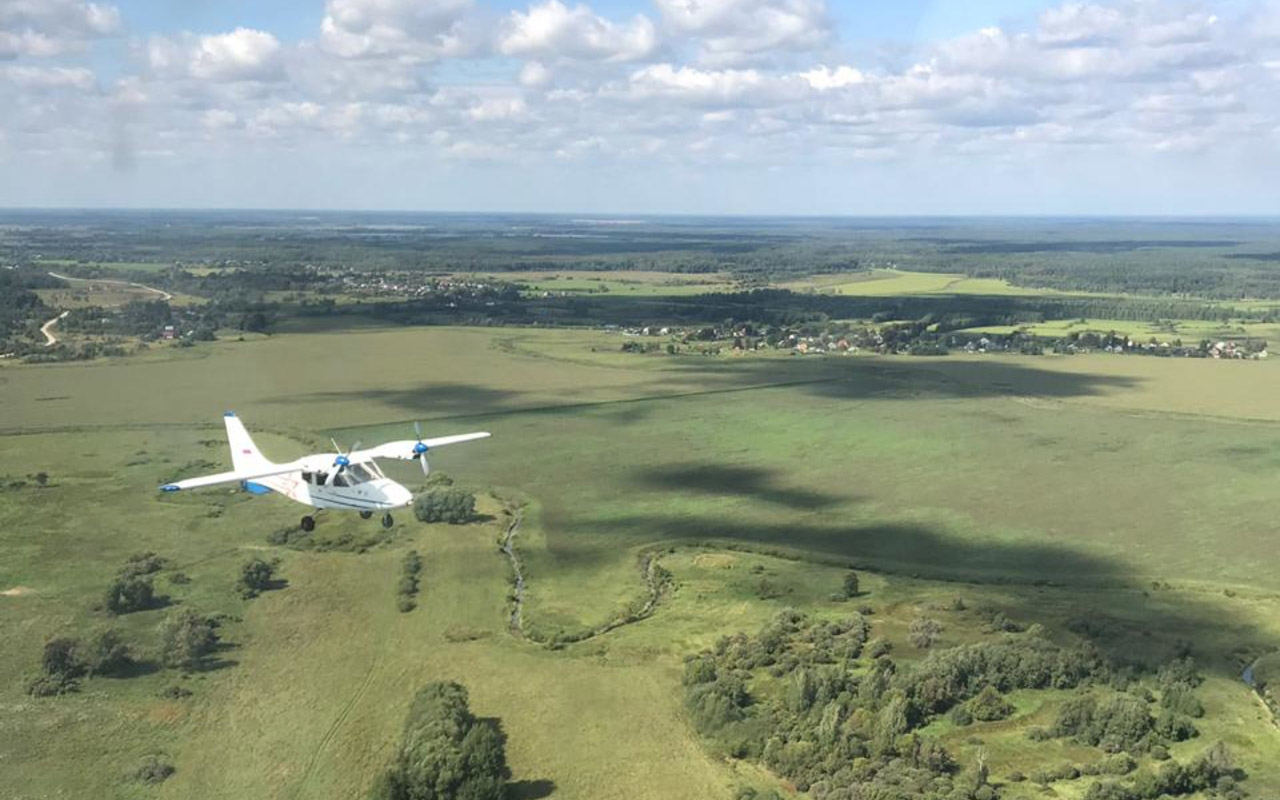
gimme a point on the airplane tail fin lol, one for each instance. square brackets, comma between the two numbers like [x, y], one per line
[245, 455]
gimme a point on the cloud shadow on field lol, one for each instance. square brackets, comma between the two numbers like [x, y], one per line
[734, 480]
[853, 378]
[426, 400]
[1104, 601]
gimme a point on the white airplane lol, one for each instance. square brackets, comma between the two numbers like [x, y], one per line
[348, 481]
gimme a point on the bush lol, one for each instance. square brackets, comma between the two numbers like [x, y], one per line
[153, 770]
[850, 584]
[407, 588]
[140, 564]
[108, 654]
[924, 632]
[990, 705]
[175, 693]
[960, 716]
[130, 593]
[187, 639]
[62, 665]
[449, 504]
[256, 577]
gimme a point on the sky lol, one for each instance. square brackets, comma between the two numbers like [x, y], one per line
[804, 107]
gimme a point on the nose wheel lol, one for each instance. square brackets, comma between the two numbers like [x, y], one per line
[308, 524]
[387, 521]
[366, 514]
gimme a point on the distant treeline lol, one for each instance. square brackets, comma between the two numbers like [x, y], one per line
[1221, 260]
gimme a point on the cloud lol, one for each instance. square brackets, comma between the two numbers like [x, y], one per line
[757, 83]
[426, 29]
[553, 30]
[734, 31]
[43, 78]
[45, 28]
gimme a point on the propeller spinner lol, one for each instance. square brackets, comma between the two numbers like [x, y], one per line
[420, 449]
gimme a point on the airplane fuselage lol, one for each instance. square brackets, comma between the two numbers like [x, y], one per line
[380, 494]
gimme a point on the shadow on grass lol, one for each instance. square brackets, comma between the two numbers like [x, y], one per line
[518, 790]
[854, 379]
[530, 790]
[733, 480]
[1096, 597]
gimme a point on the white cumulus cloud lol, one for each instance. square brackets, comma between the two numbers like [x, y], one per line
[554, 30]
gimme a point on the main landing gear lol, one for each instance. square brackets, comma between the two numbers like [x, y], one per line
[387, 521]
[366, 514]
[308, 524]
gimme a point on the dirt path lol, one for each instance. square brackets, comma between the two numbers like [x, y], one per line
[163, 294]
[49, 339]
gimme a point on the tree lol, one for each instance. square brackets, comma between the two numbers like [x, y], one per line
[449, 504]
[62, 666]
[255, 577]
[924, 632]
[130, 593]
[990, 705]
[62, 658]
[187, 638]
[445, 752]
[850, 585]
[108, 653]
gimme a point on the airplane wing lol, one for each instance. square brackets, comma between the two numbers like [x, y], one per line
[233, 476]
[404, 450]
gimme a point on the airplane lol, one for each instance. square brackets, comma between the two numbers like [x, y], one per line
[350, 481]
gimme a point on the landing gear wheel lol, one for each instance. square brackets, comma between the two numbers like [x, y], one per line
[308, 524]
[387, 522]
[366, 514]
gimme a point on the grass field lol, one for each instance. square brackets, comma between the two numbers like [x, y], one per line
[893, 282]
[1097, 475]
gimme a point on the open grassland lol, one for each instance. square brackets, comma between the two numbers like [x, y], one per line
[983, 476]
[893, 282]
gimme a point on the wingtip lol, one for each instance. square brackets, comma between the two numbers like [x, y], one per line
[229, 414]
[170, 487]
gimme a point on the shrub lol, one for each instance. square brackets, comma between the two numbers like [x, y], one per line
[924, 632]
[990, 705]
[175, 692]
[849, 586]
[187, 638]
[179, 578]
[407, 588]
[960, 716]
[448, 504]
[130, 593]
[256, 577]
[108, 653]
[153, 770]
[140, 564]
[62, 665]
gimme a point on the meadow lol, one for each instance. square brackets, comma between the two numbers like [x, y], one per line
[1133, 491]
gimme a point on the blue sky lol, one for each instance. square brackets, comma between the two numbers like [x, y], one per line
[713, 106]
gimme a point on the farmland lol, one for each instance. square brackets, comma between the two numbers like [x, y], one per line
[983, 477]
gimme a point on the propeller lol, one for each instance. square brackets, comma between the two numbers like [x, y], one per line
[341, 462]
[420, 449]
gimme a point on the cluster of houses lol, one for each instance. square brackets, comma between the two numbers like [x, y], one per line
[917, 339]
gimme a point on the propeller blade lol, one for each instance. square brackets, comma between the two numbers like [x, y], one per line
[425, 468]
[336, 449]
[417, 428]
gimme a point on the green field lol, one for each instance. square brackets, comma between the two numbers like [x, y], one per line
[1049, 486]
[893, 282]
